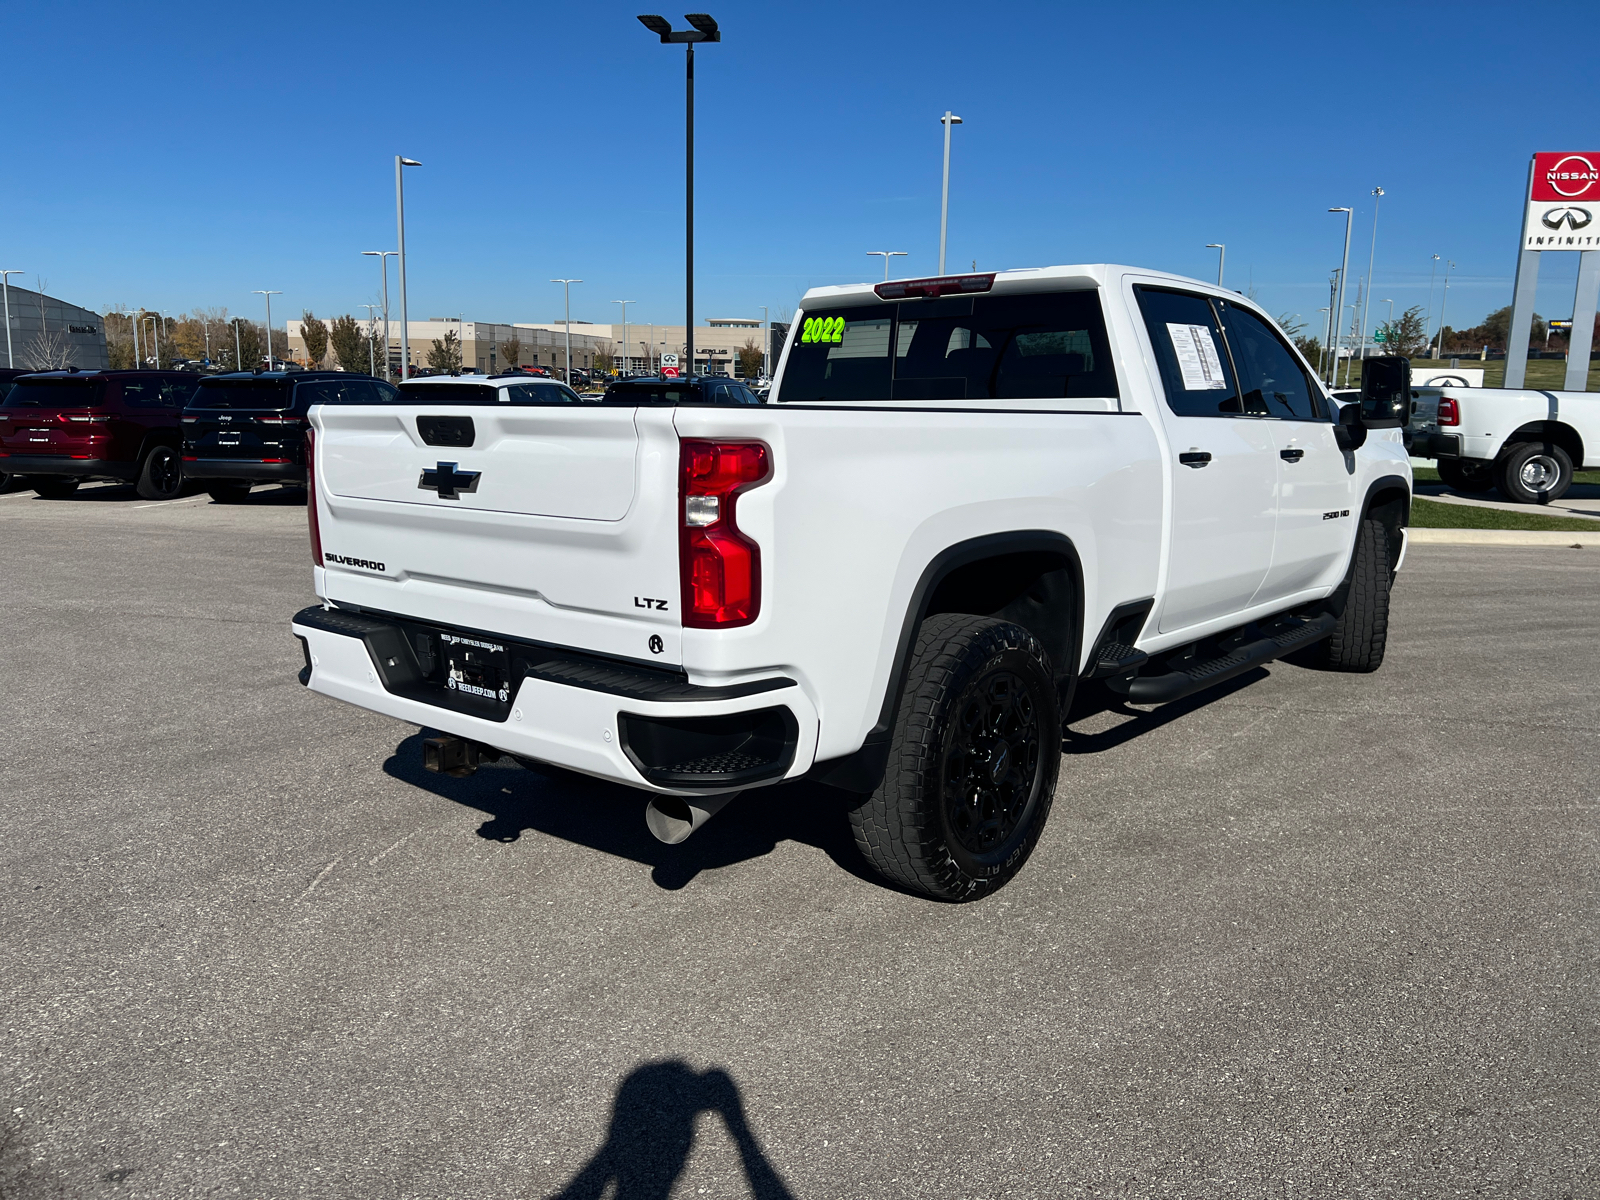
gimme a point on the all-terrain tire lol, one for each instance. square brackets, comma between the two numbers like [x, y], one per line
[1358, 640]
[1466, 474]
[54, 487]
[1533, 472]
[973, 761]
[160, 475]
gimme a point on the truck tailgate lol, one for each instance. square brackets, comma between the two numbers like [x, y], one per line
[555, 525]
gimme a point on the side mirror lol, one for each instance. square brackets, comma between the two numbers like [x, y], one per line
[1385, 392]
[1349, 430]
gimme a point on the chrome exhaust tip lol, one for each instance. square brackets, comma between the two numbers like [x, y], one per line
[671, 819]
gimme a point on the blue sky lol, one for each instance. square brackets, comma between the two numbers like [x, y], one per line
[179, 155]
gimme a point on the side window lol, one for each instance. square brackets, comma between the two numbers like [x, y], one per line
[175, 393]
[141, 393]
[384, 393]
[321, 392]
[1195, 371]
[1273, 382]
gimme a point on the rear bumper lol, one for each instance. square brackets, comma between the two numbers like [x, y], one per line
[60, 464]
[1436, 445]
[647, 729]
[243, 470]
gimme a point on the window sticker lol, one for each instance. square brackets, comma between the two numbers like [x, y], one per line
[1197, 357]
[826, 330]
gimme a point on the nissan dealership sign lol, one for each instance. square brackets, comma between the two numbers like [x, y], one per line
[1563, 202]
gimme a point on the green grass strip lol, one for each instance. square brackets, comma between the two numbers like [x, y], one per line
[1433, 514]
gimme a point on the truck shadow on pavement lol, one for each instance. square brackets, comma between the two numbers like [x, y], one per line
[1091, 702]
[610, 818]
[652, 1132]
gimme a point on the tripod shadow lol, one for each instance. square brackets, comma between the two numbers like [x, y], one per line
[652, 1133]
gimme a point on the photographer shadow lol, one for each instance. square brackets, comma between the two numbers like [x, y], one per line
[523, 797]
[652, 1133]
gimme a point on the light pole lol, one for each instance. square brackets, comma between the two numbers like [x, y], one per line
[1324, 353]
[1222, 257]
[383, 257]
[400, 219]
[1338, 305]
[238, 354]
[947, 121]
[5, 288]
[624, 304]
[1444, 299]
[705, 30]
[1432, 272]
[253, 292]
[766, 341]
[887, 255]
[155, 329]
[1366, 304]
[566, 288]
[372, 349]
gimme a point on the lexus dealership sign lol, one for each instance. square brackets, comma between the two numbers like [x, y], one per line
[1563, 210]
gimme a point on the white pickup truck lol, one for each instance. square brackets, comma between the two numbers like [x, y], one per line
[1526, 443]
[968, 497]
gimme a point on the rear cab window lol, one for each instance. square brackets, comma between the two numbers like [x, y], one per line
[1010, 346]
[533, 392]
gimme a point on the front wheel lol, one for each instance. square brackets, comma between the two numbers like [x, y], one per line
[1534, 472]
[973, 762]
[161, 476]
[1359, 639]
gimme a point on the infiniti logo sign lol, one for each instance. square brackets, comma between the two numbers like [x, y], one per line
[1571, 216]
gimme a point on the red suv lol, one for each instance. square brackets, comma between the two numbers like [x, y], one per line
[58, 428]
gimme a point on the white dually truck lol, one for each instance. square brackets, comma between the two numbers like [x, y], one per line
[1524, 442]
[968, 497]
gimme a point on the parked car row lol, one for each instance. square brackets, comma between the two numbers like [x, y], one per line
[161, 429]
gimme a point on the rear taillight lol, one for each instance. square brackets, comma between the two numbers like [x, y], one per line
[719, 568]
[1449, 411]
[311, 497]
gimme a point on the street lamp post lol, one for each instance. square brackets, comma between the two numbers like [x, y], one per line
[400, 220]
[383, 257]
[624, 304]
[253, 292]
[566, 288]
[947, 121]
[238, 353]
[372, 351]
[1432, 273]
[1222, 256]
[1366, 304]
[1338, 306]
[1444, 299]
[887, 255]
[5, 288]
[766, 341]
[705, 30]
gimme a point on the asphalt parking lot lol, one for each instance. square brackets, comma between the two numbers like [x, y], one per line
[1311, 935]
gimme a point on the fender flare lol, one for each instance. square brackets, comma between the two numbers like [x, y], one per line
[863, 770]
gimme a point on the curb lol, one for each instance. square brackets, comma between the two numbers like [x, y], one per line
[1575, 539]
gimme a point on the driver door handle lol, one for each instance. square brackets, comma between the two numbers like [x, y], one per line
[1291, 455]
[1195, 458]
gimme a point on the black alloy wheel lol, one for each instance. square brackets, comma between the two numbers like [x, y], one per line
[161, 476]
[991, 762]
[972, 763]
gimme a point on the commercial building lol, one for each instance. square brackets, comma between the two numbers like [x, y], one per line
[485, 344]
[47, 333]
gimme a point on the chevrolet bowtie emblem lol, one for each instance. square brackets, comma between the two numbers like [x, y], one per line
[448, 480]
[1572, 217]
